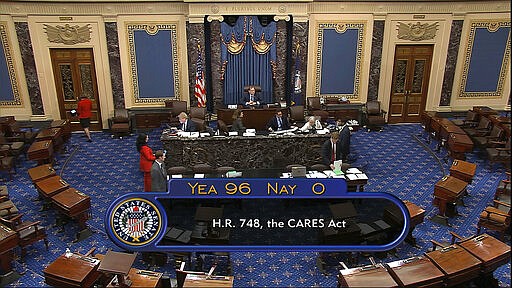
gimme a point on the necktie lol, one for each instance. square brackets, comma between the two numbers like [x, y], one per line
[333, 156]
[279, 123]
[252, 98]
[183, 126]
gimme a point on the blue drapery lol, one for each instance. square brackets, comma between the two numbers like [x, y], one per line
[247, 55]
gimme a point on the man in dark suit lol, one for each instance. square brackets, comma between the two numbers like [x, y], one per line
[344, 141]
[186, 125]
[251, 100]
[331, 150]
[278, 122]
[158, 173]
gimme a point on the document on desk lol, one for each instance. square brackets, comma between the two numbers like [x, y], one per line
[353, 171]
[359, 176]
[315, 174]
[198, 175]
[176, 176]
[329, 173]
[286, 175]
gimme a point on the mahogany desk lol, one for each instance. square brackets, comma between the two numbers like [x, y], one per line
[492, 252]
[118, 263]
[393, 215]
[75, 271]
[141, 278]
[448, 190]
[8, 240]
[253, 118]
[463, 170]
[76, 205]
[458, 145]
[457, 263]
[51, 186]
[197, 280]
[367, 276]
[41, 172]
[65, 125]
[436, 125]
[415, 272]
[41, 151]
[54, 134]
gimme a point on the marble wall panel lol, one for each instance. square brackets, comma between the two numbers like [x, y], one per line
[195, 36]
[451, 61]
[114, 59]
[376, 59]
[29, 66]
[216, 65]
[300, 37]
[280, 69]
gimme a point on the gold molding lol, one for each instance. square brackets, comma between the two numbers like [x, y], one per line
[417, 31]
[67, 34]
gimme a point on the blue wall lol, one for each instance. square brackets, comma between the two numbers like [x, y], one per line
[339, 54]
[154, 64]
[6, 93]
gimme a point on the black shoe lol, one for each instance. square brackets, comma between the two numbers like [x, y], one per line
[89, 140]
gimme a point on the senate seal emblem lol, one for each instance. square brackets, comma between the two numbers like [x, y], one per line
[135, 221]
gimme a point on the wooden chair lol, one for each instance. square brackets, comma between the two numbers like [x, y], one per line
[7, 163]
[14, 149]
[503, 190]
[499, 154]
[375, 116]
[496, 134]
[15, 133]
[7, 208]
[200, 124]
[28, 232]
[483, 128]
[198, 112]
[471, 120]
[296, 115]
[495, 218]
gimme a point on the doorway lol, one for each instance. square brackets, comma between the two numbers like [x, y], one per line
[411, 74]
[74, 75]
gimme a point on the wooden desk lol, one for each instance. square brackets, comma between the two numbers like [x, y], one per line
[367, 276]
[463, 170]
[41, 172]
[415, 272]
[194, 280]
[457, 263]
[437, 124]
[118, 263]
[253, 118]
[65, 125]
[484, 111]
[141, 278]
[41, 151]
[393, 215]
[51, 186]
[448, 190]
[54, 134]
[458, 145]
[75, 271]
[492, 252]
[76, 205]
[8, 240]
[426, 118]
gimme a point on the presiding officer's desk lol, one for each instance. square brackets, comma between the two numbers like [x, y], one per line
[253, 118]
[260, 151]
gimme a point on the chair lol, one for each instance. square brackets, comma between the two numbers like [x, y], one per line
[7, 208]
[484, 141]
[13, 148]
[120, 124]
[314, 103]
[198, 112]
[7, 163]
[502, 192]
[484, 125]
[222, 127]
[496, 218]
[324, 115]
[178, 170]
[200, 124]
[499, 154]
[470, 120]
[296, 115]
[375, 116]
[202, 168]
[222, 170]
[257, 88]
[319, 167]
[15, 133]
[28, 232]
[177, 106]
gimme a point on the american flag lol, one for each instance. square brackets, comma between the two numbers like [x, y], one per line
[199, 90]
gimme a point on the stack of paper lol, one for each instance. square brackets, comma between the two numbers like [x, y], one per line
[177, 176]
[286, 175]
[315, 174]
[353, 171]
[198, 175]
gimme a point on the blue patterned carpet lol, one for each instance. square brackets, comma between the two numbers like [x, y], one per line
[395, 160]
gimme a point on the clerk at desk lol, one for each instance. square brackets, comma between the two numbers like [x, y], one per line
[186, 125]
[251, 100]
[278, 122]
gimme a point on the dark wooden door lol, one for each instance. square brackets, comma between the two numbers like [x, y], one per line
[411, 73]
[75, 75]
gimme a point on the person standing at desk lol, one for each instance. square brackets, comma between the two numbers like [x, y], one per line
[186, 125]
[84, 114]
[237, 125]
[345, 133]
[251, 100]
[331, 150]
[278, 122]
[146, 159]
[158, 173]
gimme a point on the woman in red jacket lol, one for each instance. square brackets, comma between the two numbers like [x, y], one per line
[146, 159]
[84, 114]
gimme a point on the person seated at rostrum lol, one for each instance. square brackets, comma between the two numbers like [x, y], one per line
[278, 122]
[312, 125]
[237, 125]
[186, 125]
[251, 100]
